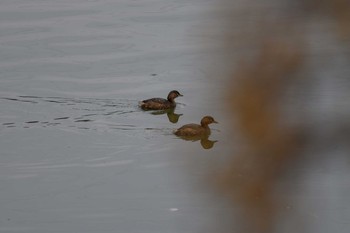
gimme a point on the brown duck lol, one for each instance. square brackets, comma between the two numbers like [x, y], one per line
[195, 130]
[160, 103]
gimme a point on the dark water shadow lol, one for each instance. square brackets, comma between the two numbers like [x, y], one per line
[205, 142]
[19, 100]
[172, 116]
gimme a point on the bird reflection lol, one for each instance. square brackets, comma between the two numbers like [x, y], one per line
[172, 116]
[206, 143]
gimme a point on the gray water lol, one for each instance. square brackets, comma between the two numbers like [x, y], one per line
[77, 154]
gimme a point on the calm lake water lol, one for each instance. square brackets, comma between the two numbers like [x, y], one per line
[77, 154]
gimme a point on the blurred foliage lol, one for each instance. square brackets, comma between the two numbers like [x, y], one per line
[273, 52]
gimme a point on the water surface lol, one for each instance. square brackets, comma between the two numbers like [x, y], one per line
[77, 154]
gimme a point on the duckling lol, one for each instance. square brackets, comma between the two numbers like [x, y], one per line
[160, 103]
[195, 130]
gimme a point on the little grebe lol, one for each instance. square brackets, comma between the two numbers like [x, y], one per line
[191, 130]
[160, 103]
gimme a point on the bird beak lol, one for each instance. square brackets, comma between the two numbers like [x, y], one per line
[180, 94]
[215, 121]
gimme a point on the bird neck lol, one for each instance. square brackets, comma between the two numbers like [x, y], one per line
[171, 99]
[204, 124]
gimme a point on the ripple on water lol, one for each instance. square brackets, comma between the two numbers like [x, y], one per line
[81, 114]
[75, 111]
